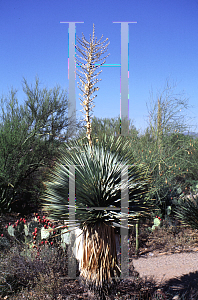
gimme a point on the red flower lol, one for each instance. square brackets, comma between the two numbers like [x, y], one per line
[51, 243]
[45, 242]
[2, 234]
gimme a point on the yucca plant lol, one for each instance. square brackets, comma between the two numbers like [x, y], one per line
[98, 185]
[98, 174]
[187, 212]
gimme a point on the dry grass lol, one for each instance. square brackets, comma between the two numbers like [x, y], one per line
[33, 278]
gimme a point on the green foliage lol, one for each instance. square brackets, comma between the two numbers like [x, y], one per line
[166, 114]
[187, 212]
[108, 126]
[194, 186]
[170, 155]
[26, 146]
[98, 182]
[177, 159]
[173, 166]
[156, 224]
[45, 110]
[15, 154]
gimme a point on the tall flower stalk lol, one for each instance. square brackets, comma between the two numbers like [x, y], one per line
[91, 55]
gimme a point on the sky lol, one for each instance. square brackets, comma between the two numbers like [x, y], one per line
[163, 46]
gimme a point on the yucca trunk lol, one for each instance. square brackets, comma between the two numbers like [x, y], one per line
[99, 262]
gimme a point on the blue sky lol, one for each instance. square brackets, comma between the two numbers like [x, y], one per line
[162, 45]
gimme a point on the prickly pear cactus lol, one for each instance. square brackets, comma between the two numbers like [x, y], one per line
[23, 232]
[36, 233]
[11, 230]
[157, 223]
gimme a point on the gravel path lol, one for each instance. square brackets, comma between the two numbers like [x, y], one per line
[166, 267]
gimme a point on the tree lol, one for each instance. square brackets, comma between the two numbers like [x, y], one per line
[169, 153]
[25, 149]
[165, 114]
[17, 159]
[46, 112]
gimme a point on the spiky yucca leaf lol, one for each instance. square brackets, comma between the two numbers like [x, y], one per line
[98, 185]
[187, 213]
[97, 182]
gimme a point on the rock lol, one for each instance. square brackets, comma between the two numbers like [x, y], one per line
[176, 297]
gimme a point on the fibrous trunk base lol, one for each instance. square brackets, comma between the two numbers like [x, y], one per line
[99, 265]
